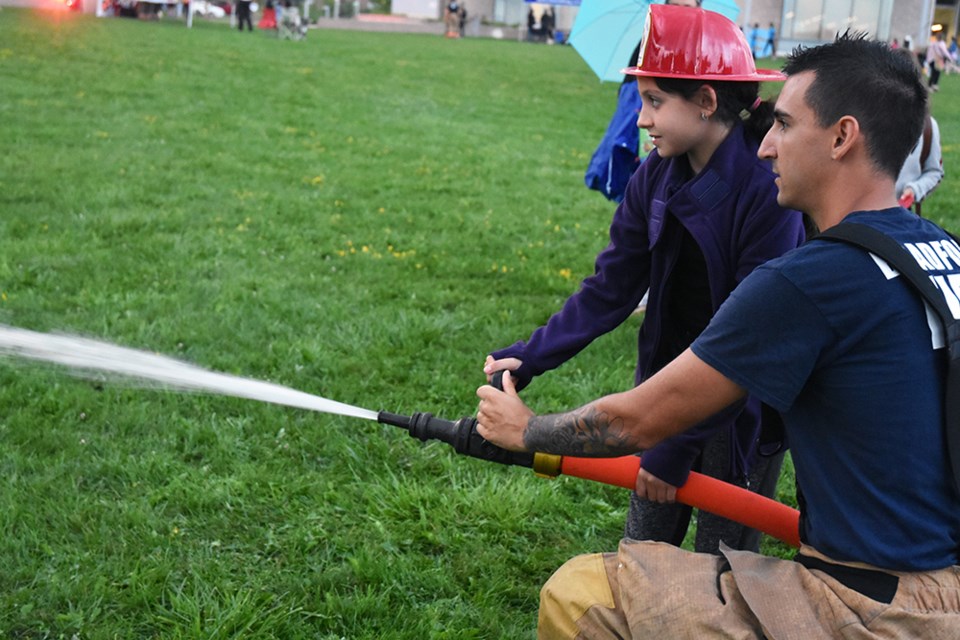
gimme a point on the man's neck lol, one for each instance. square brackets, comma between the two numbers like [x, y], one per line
[857, 193]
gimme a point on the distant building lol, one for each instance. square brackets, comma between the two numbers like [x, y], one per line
[796, 21]
[811, 21]
[506, 12]
[417, 8]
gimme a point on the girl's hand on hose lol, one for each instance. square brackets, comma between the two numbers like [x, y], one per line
[491, 366]
[654, 489]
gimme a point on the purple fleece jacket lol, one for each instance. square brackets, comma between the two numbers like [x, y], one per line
[730, 209]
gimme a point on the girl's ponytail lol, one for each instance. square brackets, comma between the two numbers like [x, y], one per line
[759, 118]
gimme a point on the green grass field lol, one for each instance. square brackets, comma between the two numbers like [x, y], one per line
[360, 216]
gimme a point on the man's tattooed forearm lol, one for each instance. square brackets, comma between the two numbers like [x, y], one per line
[584, 432]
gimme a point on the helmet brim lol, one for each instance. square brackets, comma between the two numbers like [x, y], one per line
[760, 75]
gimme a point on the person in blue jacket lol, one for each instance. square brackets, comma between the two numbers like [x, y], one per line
[699, 215]
[622, 149]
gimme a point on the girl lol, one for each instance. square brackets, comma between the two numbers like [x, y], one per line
[699, 215]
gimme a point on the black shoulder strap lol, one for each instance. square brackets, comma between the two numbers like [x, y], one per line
[927, 140]
[882, 245]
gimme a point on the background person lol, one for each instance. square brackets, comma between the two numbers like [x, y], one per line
[269, 19]
[699, 215]
[451, 17]
[770, 46]
[922, 171]
[755, 37]
[243, 15]
[547, 23]
[828, 336]
[938, 56]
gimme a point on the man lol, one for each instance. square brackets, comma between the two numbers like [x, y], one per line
[451, 17]
[938, 57]
[836, 341]
[243, 15]
[755, 39]
[771, 43]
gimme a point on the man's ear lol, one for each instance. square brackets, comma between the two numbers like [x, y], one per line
[846, 135]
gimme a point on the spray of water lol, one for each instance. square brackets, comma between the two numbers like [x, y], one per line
[151, 370]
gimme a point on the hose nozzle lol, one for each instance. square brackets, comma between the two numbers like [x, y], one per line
[461, 435]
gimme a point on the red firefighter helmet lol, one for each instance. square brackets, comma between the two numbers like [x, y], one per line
[695, 44]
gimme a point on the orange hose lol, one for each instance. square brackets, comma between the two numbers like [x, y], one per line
[700, 491]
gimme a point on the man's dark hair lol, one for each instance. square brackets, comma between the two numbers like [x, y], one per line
[865, 79]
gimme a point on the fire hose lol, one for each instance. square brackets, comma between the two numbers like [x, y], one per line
[699, 491]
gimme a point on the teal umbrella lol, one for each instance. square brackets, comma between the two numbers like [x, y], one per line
[606, 32]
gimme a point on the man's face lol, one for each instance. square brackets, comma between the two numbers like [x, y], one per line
[797, 146]
[684, 3]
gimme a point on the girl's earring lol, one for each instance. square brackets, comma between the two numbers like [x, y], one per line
[703, 116]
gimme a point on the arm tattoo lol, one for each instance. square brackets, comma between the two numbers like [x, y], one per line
[584, 432]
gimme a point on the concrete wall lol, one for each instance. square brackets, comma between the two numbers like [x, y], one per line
[429, 9]
[911, 17]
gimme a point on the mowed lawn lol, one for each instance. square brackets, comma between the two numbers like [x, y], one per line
[360, 216]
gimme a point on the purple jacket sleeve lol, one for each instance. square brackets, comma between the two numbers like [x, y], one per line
[673, 459]
[604, 300]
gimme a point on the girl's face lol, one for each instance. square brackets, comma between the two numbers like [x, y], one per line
[673, 122]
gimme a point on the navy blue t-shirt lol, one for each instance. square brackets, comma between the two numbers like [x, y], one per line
[844, 348]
